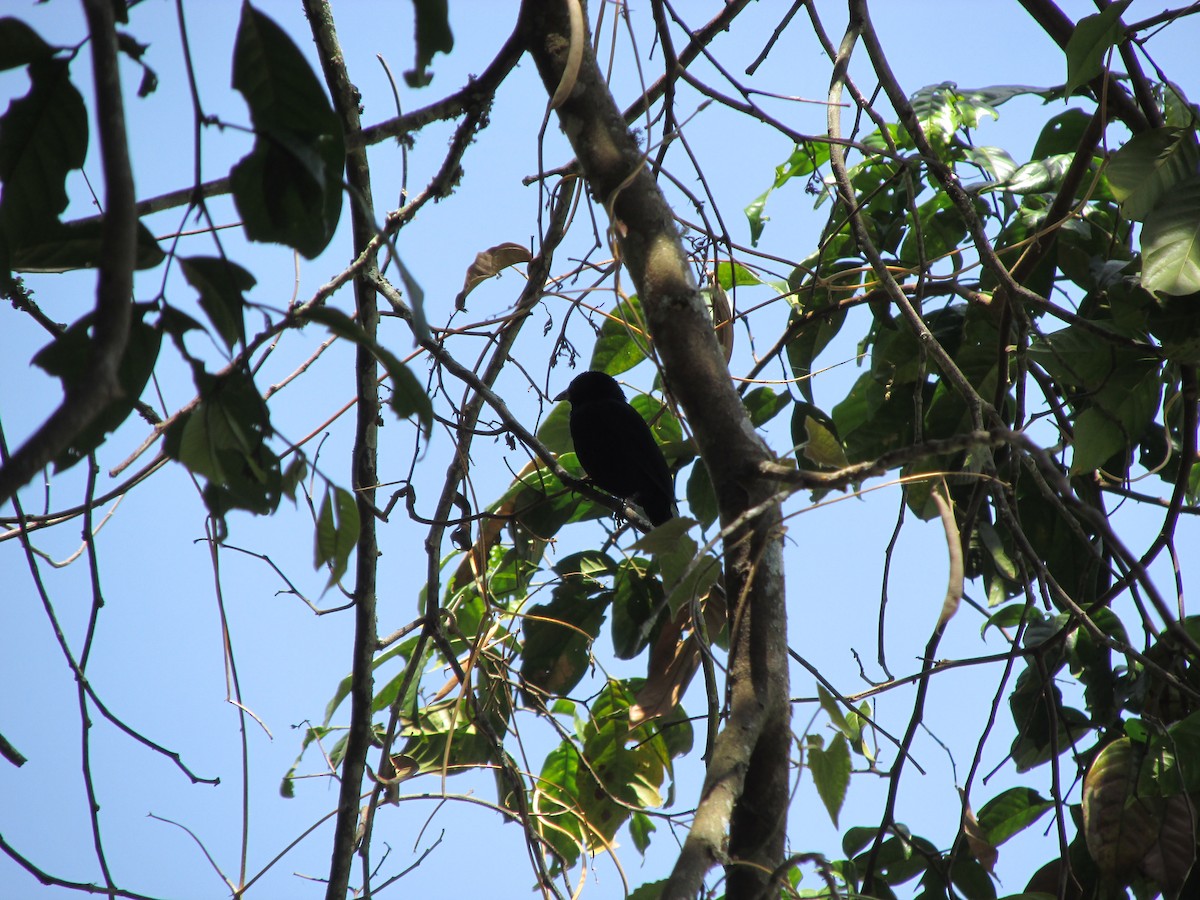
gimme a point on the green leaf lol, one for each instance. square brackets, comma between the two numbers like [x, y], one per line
[763, 404]
[1122, 391]
[1038, 177]
[831, 773]
[940, 228]
[640, 828]
[730, 274]
[441, 727]
[408, 394]
[1034, 743]
[20, 45]
[338, 528]
[756, 217]
[581, 806]
[996, 550]
[702, 499]
[822, 446]
[1097, 438]
[945, 108]
[873, 418]
[1171, 242]
[1090, 42]
[685, 577]
[1148, 168]
[637, 607]
[43, 136]
[857, 838]
[833, 709]
[224, 439]
[1011, 812]
[804, 160]
[651, 890]
[221, 284]
[558, 638]
[623, 339]
[294, 475]
[995, 161]
[288, 189]
[433, 36]
[1079, 357]
[812, 330]
[555, 432]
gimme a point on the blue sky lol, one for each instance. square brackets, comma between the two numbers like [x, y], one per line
[158, 659]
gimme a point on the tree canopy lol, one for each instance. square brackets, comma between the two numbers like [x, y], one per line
[290, 524]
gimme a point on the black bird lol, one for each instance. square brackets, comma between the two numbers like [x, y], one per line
[615, 446]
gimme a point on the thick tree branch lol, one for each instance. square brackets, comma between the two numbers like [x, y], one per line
[86, 398]
[746, 786]
[363, 466]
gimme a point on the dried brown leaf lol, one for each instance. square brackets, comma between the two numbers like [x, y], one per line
[488, 264]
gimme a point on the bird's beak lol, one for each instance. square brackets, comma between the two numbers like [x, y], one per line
[565, 395]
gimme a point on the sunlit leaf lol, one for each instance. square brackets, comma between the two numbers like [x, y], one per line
[338, 528]
[1150, 166]
[1171, 242]
[623, 339]
[1011, 812]
[830, 770]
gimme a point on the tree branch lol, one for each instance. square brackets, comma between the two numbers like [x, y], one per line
[746, 785]
[363, 462]
[1060, 28]
[86, 398]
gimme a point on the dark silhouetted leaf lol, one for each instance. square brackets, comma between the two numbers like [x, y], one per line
[43, 136]
[224, 439]
[20, 45]
[408, 395]
[64, 247]
[433, 36]
[67, 358]
[288, 189]
[221, 284]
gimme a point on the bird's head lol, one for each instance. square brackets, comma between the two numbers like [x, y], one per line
[588, 387]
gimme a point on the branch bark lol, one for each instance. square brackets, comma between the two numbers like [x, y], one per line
[364, 476]
[1059, 27]
[741, 817]
[88, 397]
